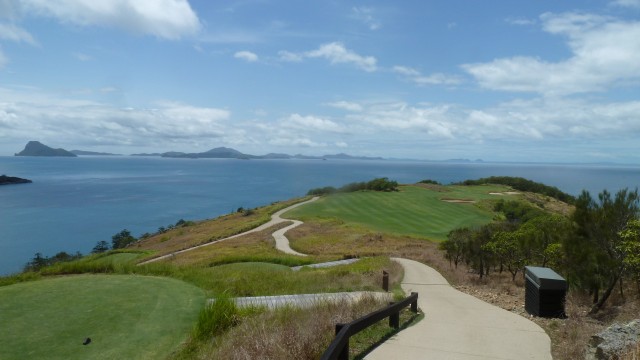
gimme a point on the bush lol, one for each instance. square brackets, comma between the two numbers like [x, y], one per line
[523, 184]
[378, 184]
[216, 318]
[429, 181]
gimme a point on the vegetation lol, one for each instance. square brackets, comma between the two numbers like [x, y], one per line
[38, 262]
[523, 184]
[379, 184]
[598, 252]
[129, 317]
[290, 333]
[193, 234]
[412, 211]
[429, 181]
[488, 236]
[122, 239]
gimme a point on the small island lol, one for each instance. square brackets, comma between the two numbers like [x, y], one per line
[9, 180]
[36, 148]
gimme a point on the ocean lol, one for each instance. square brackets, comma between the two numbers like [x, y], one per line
[75, 202]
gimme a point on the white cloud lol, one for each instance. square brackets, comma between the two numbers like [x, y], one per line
[342, 144]
[520, 21]
[627, 3]
[289, 56]
[295, 142]
[31, 114]
[365, 15]
[169, 19]
[312, 123]
[82, 56]
[346, 105]
[336, 53]
[246, 56]
[415, 76]
[605, 53]
[15, 33]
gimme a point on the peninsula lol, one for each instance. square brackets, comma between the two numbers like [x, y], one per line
[36, 148]
[9, 180]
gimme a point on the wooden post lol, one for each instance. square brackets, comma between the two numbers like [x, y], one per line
[385, 280]
[344, 353]
[414, 304]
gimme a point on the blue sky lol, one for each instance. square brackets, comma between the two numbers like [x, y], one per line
[498, 80]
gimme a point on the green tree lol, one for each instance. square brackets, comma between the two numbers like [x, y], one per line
[630, 248]
[101, 246]
[37, 262]
[122, 239]
[454, 246]
[506, 246]
[478, 253]
[595, 251]
[540, 238]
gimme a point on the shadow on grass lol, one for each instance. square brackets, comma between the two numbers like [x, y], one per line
[390, 332]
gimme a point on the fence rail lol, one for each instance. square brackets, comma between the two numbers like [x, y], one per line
[339, 348]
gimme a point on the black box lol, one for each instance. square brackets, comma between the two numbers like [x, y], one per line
[545, 292]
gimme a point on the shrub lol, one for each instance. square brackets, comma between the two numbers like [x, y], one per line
[216, 318]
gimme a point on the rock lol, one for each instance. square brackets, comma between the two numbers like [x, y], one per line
[613, 341]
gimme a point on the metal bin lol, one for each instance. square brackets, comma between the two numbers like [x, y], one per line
[545, 292]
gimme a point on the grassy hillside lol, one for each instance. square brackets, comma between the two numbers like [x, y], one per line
[429, 212]
[126, 317]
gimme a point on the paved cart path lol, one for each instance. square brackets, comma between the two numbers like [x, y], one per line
[459, 326]
[282, 243]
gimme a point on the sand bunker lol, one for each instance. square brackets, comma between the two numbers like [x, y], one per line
[505, 193]
[459, 201]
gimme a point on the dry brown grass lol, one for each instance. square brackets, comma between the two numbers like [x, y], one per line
[569, 336]
[210, 230]
[632, 354]
[250, 245]
[286, 333]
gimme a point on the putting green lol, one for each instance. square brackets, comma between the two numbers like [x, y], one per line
[126, 317]
[412, 211]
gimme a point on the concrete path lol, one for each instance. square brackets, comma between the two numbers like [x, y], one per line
[282, 243]
[327, 264]
[459, 326]
[307, 300]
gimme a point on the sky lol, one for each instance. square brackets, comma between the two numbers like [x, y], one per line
[524, 81]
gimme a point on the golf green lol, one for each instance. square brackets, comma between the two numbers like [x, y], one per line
[412, 211]
[125, 316]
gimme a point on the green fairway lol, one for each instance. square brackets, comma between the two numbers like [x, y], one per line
[412, 211]
[126, 317]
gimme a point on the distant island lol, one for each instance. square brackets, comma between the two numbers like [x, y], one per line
[9, 180]
[35, 148]
[92, 153]
[229, 153]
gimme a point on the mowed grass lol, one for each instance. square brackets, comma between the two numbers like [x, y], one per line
[414, 210]
[126, 317]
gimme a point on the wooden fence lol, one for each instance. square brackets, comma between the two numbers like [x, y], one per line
[339, 348]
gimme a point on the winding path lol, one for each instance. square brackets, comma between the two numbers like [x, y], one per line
[282, 243]
[459, 326]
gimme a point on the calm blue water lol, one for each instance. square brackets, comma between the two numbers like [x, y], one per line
[75, 202]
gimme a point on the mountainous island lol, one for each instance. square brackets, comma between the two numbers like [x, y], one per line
[36, 148]
[9, 180]
[229, 153]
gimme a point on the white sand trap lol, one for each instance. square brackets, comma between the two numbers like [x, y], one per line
[459, 201]
[505, 193]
